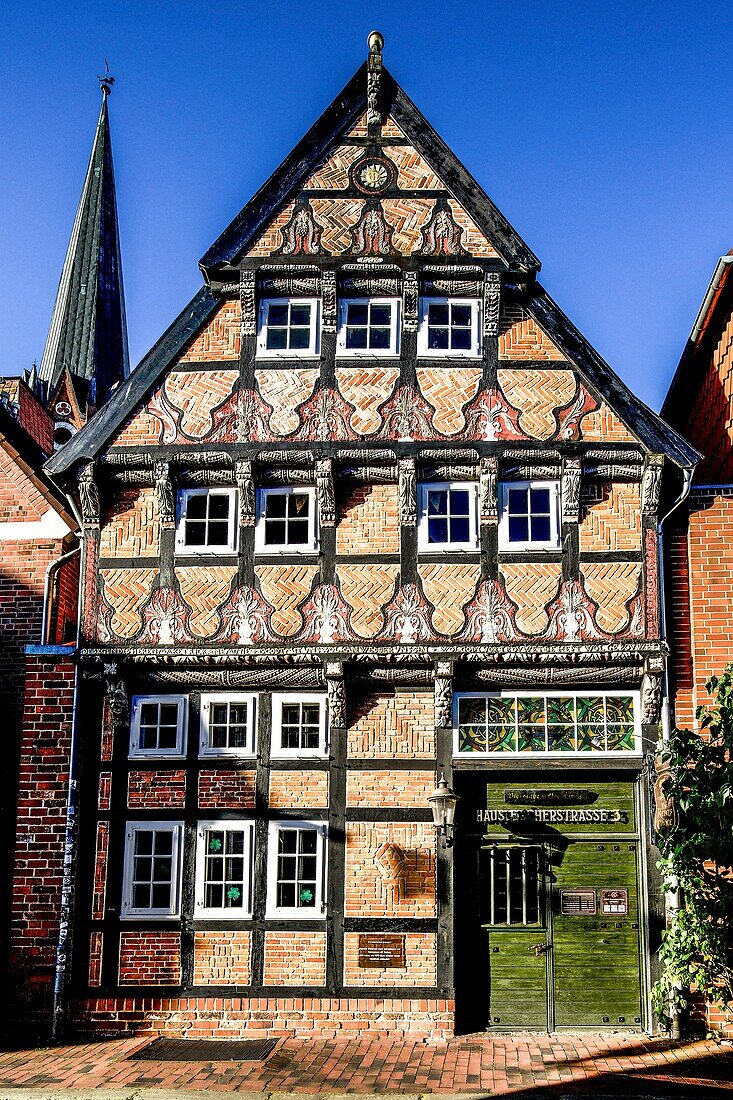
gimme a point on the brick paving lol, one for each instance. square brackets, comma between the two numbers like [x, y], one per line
[521, 1065]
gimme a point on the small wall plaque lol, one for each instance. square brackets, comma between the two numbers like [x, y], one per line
[381, 950]
[578, 903]
[615, 902]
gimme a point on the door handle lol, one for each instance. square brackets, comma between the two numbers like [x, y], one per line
[539, 949]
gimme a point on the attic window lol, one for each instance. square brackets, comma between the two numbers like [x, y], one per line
[288, 327]
[449, 326]
[368, 326]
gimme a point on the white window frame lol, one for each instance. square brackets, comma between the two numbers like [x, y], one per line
[394, 334]
[182, 547]
[318, 910]
[311, 352]
[243, 912]
[554, 541]
[207, 698]
[280, 699]
[128, 910]
[574, 754]
[426, 352]
[136, 750]
[311, 547]
[424, 488]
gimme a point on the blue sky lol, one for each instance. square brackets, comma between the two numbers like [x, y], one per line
[601, 130]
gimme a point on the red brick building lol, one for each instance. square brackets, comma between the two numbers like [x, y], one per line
[371, 511]
[85, 356]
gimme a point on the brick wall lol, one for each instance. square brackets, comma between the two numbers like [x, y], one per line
[221, 958]
[40, 833]
[156, 789]
[399, 725]
[295, 958]
[389, 787]
[369, 521]
[390, 870]
[420, 963]
[226, 790]
[150, 958]
[289, 789]
[130, 525]
[264, 1017]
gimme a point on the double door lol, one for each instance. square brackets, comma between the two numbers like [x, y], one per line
[562, 935]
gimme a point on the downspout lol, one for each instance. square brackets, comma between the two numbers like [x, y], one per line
[673, 898]
[51, 570]
[67, 880]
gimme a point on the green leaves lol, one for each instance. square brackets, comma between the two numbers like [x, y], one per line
[697, 856]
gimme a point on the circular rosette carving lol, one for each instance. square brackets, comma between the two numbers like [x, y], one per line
[372, 174]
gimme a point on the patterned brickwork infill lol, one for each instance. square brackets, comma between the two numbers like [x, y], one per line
[205, 1050]
[540, 1067]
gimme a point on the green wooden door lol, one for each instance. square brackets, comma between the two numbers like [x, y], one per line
[595, 953]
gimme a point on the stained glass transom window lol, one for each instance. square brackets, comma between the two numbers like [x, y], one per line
[545, 723]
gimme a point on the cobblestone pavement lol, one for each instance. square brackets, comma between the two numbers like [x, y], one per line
[520, 1065]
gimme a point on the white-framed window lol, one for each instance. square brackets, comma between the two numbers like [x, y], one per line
[206, 521]
[224, 857]
[288, 327]
[151, 884]
[286, 520]
[447, 516]
[449, 326]
[298, 724]
[529, 515]
[296, 869]
[551, 723]
[158, 725]
[228, 724]
[368, 326]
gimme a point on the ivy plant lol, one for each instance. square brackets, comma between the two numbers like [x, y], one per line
[696, 843]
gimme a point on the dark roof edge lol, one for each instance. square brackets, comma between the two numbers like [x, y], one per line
[708, 306]
[286, 177]
[88, 442]
[652, 431]
[458, 179]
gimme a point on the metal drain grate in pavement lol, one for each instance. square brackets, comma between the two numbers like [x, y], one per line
[206, 1050]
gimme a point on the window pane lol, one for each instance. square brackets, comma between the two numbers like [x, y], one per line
[286, 895]
[195, 533]
[500, 710]
[300, 314]
[218, 506]
[298, 532]
[462, 316]
[459, 502]
[517, 501]
[438, 339]
[518, 529]
[164, 842]
[218, 533]
[275, 504]
[437, 530]
[196, 506]
[277, 339]
[298, 504]
[540, 501]
[149, 714]
[277, 314]
[540, 528]
[356, 338]
[357, 313]
[143, 842]
[437, 502]
[471, 710]
[461, 339]
[438, 313]
[167, 737]
[275, 532]
[299, 339]
[381, 315]
[141, 897]
[379, 338]
[161, 896]
[459, 530]
[169, 714]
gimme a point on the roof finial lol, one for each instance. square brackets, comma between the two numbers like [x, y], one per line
[374, 72]
[106, 81]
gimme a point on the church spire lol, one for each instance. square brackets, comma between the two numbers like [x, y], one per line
[88, 332]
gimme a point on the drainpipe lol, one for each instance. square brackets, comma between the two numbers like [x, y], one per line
[67, 880]
[673, 897]
[51, 570]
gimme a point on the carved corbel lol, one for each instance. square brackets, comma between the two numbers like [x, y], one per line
[651, 484]
[248, 303]
[651, 691]
[118, 700]
[328, 301]
[336, 693]
[492, 303]
[325, 492]
[489, 490]
[374, 75]
[89, 496]
[407, 492]
[443, 694]
[246, 490]
[410, 300]
[571, 469]
[164, 494]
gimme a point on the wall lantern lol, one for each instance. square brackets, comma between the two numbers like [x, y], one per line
[443, 804]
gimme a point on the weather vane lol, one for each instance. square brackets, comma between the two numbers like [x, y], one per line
[106, 81]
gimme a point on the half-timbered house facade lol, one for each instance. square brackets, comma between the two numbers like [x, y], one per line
[370, 513]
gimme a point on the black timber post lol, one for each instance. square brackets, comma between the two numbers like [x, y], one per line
[444, 856]
[335, 888]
